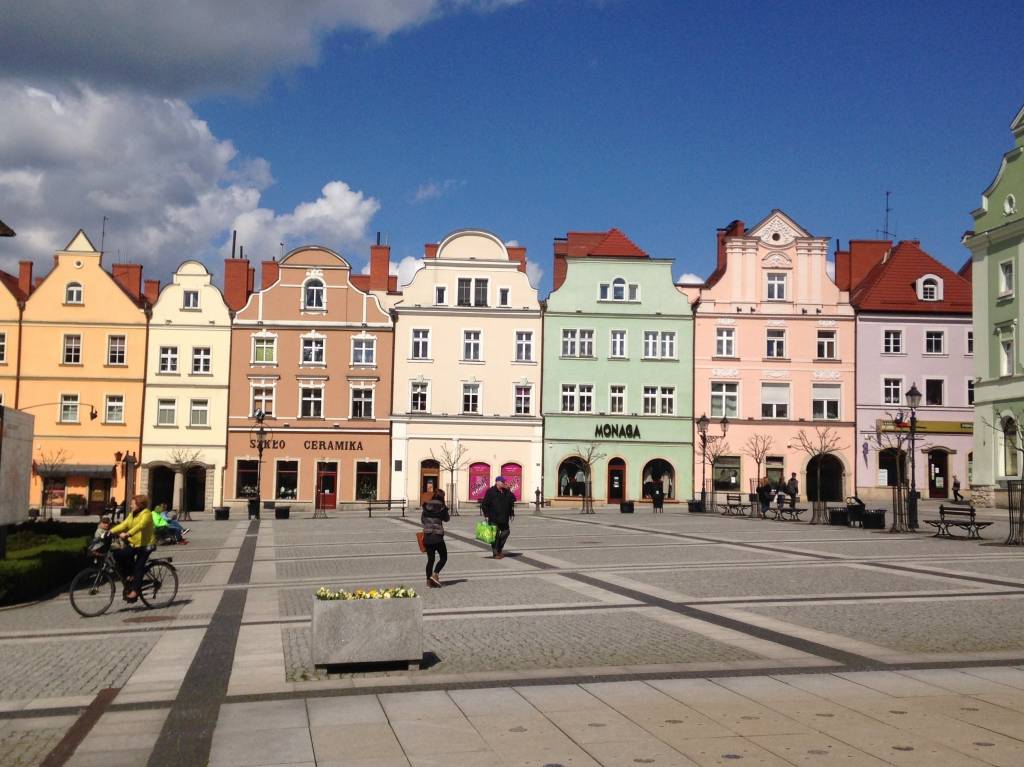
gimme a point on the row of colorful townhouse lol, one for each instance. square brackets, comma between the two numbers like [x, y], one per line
[322, 386]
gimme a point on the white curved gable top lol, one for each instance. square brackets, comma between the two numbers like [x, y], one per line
[472, 245]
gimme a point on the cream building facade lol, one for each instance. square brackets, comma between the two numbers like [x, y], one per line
[467, 372]
[184, 431]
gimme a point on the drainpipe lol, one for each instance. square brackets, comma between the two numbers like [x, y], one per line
[17, 374]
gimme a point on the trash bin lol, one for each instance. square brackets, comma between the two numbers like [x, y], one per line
[855, 511]
[626, 507]
[254, 508]
[874, 519]
[282, 512]
[220, 513]
[695, 505]
[838, 515]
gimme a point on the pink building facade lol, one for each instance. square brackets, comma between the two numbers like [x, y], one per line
[774, 353]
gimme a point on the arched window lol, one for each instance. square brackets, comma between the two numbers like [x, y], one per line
[618, 289]
[659, 472]
[1011, 448]
[313, 295]
[572, 478]
[513, 474]
[479, 480]
[73, 293]
[929, 288]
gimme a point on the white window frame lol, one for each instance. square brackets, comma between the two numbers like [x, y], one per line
[201, 405]
[652, 343]
[315, 340]
[310, 386]
[124, 350]
[969, 392]
[933, 281]
[942, 337]
[623, 338]
[253, 386]
[3, 348]
[504, 297]
[773, 281]
[945, 391]
[64, 348]
[106, 408]
[838, 389]
[585, 398]
[900, 337]
[264, 338]
[69, 399]
[1007, 356]
[204, 360]
[586, 337]
[185, 295]
[969, 343]
[667, 395]
[523, 346]
[443, 295]
[630, 291]
[725, 397]
[362, 387]
[479, 397]
[173, 410]
[769, 342]
[725, 342]
[1007, 282]
[898, 401]
[830, 338]
[365, 338]
[426, 396]
[74, 300]
[570, 343]
[568, 394]
[613, 395]
[305, 306]
[168, 355]
[649, 396]
[775, 413]
[667, 337]
[479, 344]
[423, 341]
[517, 398]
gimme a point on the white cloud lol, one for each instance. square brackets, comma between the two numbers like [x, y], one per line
[184, 48]
[689, 278]
[404, 269]
[534, 271]
[171, 188]
[512, 243]
[434, 190]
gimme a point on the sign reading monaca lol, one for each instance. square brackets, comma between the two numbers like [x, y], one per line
[609, 430]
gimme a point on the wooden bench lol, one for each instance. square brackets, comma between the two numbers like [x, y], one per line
[957, 515]
[782, 513]
[388, 504]
[734, 505]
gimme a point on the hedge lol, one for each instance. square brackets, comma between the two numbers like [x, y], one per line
[42, 556]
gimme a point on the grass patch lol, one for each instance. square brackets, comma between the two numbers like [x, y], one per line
[40, 558]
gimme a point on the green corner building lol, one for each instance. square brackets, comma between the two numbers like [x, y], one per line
[997, 253]
[618, 374]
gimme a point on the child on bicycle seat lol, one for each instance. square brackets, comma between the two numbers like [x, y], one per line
[102, 528]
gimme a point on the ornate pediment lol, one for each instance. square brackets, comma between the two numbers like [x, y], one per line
[777, 261]
[777, 230]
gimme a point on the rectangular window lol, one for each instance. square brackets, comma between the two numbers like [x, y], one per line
[190, 299]
[892, 391]
[524, 346]
[364, 351]
[724, 399]
[586, 400]
[418, 399]
[503, 296]
[970, 342]
[524, 400]
[668, 400]
[166, 412]
[168, 359]
[362, 403]
[201, 360]
[586, 343]
[933, 391]
[617, 399]
[69, 408]
[420, 344]
[892, 342]
[825, 402]
[1006, 366]
[568, 398]
[313, 351]
[116, 350]
[471, 345]
[970, 391]
[776, 287]
[934, 342]
[286, 485]
[650, 344]
[826, 344]
[650, 400]
[774, 400]
[114, 409]
[3, 347]
[634, 292]
[440, 295]
[668, 346]
[776, 344]
[72, 350]
[1006, 278]
[199, 412]
[725, 342]
[726, 473]
[246, 473]
[265, 351]
[479, 292]
[311, 402]
[569, 343]
[471, 398]
[618, 345]
[465, 292]
[263, 400]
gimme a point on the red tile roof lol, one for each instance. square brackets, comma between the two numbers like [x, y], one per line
[965, 270]
[890, 285]
[615, 243]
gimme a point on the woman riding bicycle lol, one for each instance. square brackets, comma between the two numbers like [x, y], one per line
[137, 531]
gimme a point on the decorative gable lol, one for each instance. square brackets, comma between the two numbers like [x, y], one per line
[778, 229]
[777, 261]
[80, 244]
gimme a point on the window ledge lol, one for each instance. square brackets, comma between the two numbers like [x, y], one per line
[362, 418]
[776, 359]
[201, 375]
[935, 354]
[659, 359]
[827, 360]
[419, 359]
[725, 359]
[577, 357]
[524, 362]
[193, 426]
[473, 362]
[191, 309]
[109, 364]
[71, 364]
[165, 426]
[169, 375]
[114, 423]
[263, 364]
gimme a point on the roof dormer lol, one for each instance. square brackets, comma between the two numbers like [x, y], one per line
[929, 287]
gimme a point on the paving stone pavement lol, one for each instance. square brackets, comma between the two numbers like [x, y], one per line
[645, 622]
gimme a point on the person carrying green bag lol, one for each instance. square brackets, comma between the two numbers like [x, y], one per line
[486, 532]
[499, 506]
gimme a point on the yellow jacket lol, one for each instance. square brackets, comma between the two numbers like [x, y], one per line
[139, 527]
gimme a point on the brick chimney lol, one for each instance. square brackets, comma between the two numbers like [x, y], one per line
[25, 277]
[864, 256]
[237, 282]
[152, 290]
[271, 269]
[519, 256]
[559, 267]
[129, 277]
[735, 229]
[430, 250]
[380, 266]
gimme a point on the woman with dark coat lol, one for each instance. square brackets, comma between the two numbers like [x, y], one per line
[435, 514]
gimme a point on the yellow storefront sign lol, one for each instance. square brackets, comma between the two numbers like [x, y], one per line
[927, 427]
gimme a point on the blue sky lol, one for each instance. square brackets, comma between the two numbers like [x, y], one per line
[536, 117]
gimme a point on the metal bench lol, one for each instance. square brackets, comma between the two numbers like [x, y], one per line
[782, 513]
[957, 515]
[389, 504]
[735, 505]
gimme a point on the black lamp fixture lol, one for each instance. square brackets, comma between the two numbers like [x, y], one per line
[913, 397]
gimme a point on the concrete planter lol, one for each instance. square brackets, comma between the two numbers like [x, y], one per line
[367, 631]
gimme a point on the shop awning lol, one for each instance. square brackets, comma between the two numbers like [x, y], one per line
[104, 471]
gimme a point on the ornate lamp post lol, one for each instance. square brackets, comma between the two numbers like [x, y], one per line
[913, 397]
[261, 442]
[702, 431]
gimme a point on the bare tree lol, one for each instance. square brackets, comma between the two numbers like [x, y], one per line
[50, 462]
[757, 447]
[451, 460]
[717, 448]
[183, 459]
[896, 441]
[823, 442]
[588, 457]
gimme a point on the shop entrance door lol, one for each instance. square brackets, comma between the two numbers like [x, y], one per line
[99, 494]
[430, 480]
[938, 480]
[326, 485]
[616, 480]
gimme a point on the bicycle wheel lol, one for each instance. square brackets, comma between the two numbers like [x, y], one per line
[92, 592]
[159, 584]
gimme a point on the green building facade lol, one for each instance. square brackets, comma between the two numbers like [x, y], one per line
[618, 375]
[997, 256]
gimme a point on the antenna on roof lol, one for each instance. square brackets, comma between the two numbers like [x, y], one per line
[234, 236]
[886, 234]
[282, 250]
[103, 232]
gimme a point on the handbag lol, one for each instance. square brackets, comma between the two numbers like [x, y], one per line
[420, 539]
[486, 532]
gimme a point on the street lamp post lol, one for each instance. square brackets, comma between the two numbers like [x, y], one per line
[913, 402]
[261, 443]
[702, 431]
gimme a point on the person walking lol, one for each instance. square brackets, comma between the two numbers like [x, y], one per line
[956, 489]
[764, 495]
[499, 506]
[435, 514]
[658, 498]
[792, 490]
[136, 530]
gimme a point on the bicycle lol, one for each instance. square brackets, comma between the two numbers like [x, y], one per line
[92, 590]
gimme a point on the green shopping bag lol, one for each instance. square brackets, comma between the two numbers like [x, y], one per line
[486, 532]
